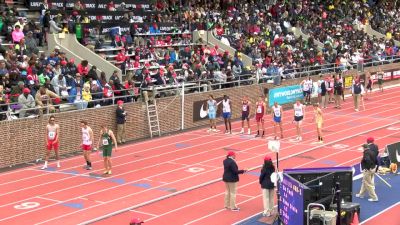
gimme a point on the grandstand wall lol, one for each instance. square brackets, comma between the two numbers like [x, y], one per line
[24, 139]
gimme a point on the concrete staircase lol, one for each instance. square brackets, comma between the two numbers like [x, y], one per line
[73, 49]
[298, 33]
[209, 38]
[371, 32]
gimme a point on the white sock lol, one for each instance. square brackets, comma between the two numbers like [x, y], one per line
[45, 163]
[58, 163]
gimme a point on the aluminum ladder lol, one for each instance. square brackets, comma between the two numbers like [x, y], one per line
[152, 117]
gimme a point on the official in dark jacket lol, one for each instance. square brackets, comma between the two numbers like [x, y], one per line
[267, 185]
[373, 147]
[231, 177]
[369, 164]
[121, 120]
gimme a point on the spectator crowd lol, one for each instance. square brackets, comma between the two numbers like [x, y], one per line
[151, 57]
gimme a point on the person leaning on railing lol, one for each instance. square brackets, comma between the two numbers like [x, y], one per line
[45, 99]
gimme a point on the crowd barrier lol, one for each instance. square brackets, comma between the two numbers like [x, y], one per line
[16, 141]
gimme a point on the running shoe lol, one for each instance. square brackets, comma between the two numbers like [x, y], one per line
[44, 167]
[109, 172]
[58, 165]
[236, 209]
[88, 168]
[242, 131]
[359, 196]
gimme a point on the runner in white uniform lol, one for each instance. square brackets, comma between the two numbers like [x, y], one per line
[277, 118]
[299, 114]
[307, 88]
[87, 142]
[52, 140]
[226, 113]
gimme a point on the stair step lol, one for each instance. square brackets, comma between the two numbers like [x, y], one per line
[150, 111]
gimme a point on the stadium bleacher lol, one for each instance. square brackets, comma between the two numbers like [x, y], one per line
[153, 44]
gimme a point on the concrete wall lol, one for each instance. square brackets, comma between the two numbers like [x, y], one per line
[74, 49]
[24, 140]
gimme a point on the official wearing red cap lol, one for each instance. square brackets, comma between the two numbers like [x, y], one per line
[231, 178]
[369, 166]
[267, 186]
[121, 122]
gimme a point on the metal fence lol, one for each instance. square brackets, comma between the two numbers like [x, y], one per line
[10, 111]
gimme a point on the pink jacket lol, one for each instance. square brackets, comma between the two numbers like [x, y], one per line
[17, 35]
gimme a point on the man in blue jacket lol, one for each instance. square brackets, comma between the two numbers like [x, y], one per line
[231, 178]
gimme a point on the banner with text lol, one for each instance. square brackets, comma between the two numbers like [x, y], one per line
[200, 112]
[285, 95]
[92, 4]
[291, 204]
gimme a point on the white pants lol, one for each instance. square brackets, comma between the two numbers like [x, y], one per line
[268, 200]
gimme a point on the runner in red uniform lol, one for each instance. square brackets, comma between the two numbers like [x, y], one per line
[246, 114]
[260, 110]
[52, 140]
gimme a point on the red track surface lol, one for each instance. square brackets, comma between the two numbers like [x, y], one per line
[389, 216]
[146, 173]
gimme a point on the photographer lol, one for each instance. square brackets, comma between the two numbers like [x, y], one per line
[369, 164]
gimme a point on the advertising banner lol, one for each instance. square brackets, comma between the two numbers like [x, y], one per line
[291, 204]
[348, 82]
[200, 112]
[394, 152]
[92, 4]
[285, 95]
[396, 74]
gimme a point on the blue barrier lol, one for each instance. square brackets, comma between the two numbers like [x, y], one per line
[285, 95]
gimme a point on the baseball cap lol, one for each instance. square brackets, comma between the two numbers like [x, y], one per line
[267, 158]
[26, 91]
[370, 139]
[120, 102]
[231, 153]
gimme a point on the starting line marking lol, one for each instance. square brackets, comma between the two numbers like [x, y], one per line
[339, 146]
[393, 128]
[195, 169]
[27, 205]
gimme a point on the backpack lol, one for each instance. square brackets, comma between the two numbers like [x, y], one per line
[357, 89]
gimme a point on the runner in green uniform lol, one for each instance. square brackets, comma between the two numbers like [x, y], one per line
[107, 139]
